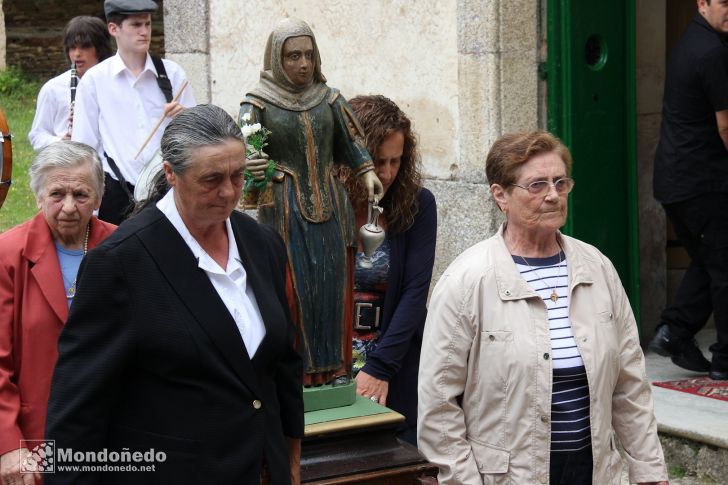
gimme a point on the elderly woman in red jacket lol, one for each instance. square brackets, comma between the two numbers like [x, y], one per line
[39, 260]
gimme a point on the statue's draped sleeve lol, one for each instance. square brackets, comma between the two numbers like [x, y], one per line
[350, 146]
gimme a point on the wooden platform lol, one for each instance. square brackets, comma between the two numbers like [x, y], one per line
[358, 445]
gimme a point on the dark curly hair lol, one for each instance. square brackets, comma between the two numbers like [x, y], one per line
[380, 117]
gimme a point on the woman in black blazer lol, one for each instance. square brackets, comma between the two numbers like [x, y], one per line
[179, 338]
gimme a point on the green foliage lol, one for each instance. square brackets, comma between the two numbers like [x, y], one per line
[12, 81]
[256, 137]
[17, 100]
[677, 471]
[261, 184]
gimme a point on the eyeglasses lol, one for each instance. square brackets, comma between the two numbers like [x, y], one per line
[541, 187]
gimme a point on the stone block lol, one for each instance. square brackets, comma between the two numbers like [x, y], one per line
[479, 115]
[187, 26]
[519, 91]
[518, 25]
[498, 95]
[478, 29]
[196, 66]
[466, 215]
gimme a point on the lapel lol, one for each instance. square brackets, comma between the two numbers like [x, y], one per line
[578, 263]
[179, 267]
[253, 255]
[41, 253]
[512, 286]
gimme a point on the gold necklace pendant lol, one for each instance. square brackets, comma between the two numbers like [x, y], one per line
[554, 297]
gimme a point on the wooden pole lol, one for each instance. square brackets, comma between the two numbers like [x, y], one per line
[159, 123]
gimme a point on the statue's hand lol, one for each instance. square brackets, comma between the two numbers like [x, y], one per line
[373, 185]
[257, 165]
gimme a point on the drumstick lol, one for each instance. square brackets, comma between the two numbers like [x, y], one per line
[159, 123]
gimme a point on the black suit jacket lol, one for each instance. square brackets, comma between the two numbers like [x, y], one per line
[151, 358]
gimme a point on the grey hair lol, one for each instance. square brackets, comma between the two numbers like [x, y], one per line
[203, 125]
[65, 154]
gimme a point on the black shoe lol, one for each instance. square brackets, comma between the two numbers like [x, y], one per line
[718, 375]
[684, 353]
[663, 344]
[691, 358]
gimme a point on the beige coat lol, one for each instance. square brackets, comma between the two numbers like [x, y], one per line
[485, 373]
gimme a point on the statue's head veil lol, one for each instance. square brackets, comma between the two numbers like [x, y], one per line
[275, 85]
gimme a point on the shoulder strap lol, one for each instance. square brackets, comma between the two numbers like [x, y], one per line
[162, 80]
[122, 181]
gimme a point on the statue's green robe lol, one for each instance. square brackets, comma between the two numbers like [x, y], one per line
[311, 211]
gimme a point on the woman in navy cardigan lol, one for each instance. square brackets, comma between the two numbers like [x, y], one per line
[391, 297]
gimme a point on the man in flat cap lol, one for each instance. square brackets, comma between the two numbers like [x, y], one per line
[120, 100]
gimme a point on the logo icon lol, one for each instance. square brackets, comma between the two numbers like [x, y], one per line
[42, 456]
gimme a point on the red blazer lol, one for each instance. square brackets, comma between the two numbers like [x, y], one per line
[33, 309]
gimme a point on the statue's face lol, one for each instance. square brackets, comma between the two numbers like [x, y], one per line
[298, 59]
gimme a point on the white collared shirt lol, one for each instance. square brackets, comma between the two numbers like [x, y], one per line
[230, 282]
[50, 123]
[115, 112]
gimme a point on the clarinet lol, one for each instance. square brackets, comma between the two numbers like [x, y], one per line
[74, 83]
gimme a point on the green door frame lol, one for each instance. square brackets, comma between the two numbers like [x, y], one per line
[560, 103]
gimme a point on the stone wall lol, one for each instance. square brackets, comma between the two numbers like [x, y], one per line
[650, 70]
[34, 29]
[187, 41]
[465, 71]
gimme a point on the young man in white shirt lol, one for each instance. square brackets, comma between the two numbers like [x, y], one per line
[120, 100]
[87, 42]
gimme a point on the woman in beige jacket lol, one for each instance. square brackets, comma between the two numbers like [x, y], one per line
[534, 369]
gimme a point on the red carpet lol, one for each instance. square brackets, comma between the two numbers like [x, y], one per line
[701, 386]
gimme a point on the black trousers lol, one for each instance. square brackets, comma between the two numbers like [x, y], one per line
[115, 204]
[701, 224]
[571, 468]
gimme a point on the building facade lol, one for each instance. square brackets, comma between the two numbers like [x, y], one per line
[462, 82]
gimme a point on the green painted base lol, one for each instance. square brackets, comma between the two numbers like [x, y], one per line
[327, 397]
[362, 407]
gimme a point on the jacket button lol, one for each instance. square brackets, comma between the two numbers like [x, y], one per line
[507, 292]
[583, 339]
[546, 356]
[544, 478]
[257, 404]
[491, 337]
[544, 418]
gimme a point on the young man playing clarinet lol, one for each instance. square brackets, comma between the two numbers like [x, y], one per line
[86, 42]
[120, 100]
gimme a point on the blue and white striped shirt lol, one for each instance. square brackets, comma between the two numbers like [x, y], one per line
[570, 427]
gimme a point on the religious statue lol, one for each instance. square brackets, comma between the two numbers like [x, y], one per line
[312, 127]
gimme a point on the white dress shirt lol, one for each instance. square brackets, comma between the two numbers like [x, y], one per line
[229, 282]
[115, 111]
[51, 113]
